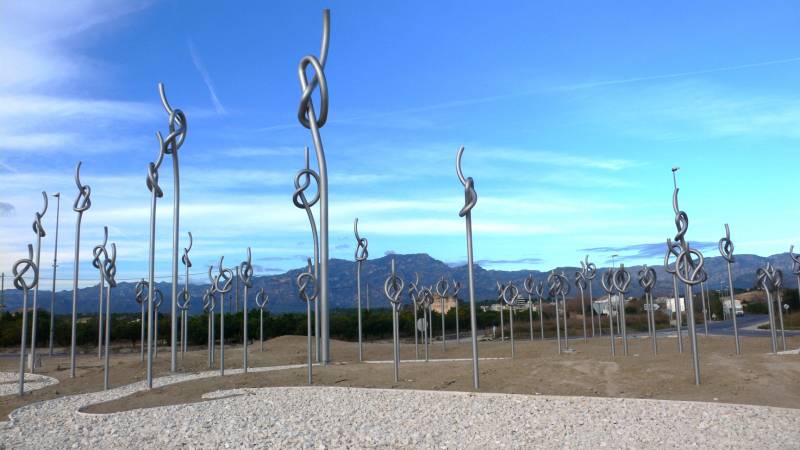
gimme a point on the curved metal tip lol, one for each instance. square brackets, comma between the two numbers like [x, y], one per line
[57, 194]
[727, 231]
[105, 235]
[191, 242]
[308, 161]
[355, 229]
[249, 255]
[44, 197]
[164, 101]
[326, 34]
[30, 251]
[458, 166]
[220, 262]
[78, 175]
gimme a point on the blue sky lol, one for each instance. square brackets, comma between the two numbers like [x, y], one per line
[572, 115]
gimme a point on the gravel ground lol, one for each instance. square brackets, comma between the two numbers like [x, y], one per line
[319, 417]
[9, 382]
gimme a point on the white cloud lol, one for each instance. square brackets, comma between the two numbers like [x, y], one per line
[198, 64]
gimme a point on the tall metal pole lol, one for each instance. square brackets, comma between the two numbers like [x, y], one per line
[581, 284]
[174, 141]
[778, 279]
[361, 255]
[40, 233]
[674, 249]
[156, 193]
[470, 199]
[305, 281]
[766, 280]
[245, 270]
[726, 250]
[442, 286]
[689, 269]
[539, 289]
[416, 297]
[82, 203]
[57, 195]
[589, 273]
[261, 302]
[647, 280]
[529, 286]
[109, 269]
[19, 269]
[222, 284]
[141, 296]
[393, 288]
[185, 297]
[208, 307]
[509, 295]
[98, 252]
[456, 290]
[607, 283]
[307, 116]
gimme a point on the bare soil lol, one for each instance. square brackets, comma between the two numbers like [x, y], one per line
[756, 377]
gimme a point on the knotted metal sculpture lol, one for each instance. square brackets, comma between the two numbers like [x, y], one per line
[185, 297]
[778, 279]
[57, 195]
[361, 255]
[141, 290]
[307, 115]
[582, 284]
[501, 307]
[98, 253]
[674, 249]
[647, 280]
[306, 282]
[82, 203]
[726, 250]
[246, 273]
[539, 289]
[442, 286]
[564, 284]
[393, 288]
[302, 181]
[222, 284]
[19, 269]
[415, 297]
[456, 289]
[554, 290]
[589, 271]
[688, 267]
[470, 200]
[622, 281]
[40, 233]
[703, 299]
[766, 278]
[607, 282]
[109, 269]
[261, 302]
[208, 308]
[427, 302]
[795, 267]
[528, 285]
[510, 294]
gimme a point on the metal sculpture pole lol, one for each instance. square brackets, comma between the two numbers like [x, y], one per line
[470, 200]
[57, 195]
[622, 281]
[442, 286]
[607, 282]
[647, 280]
[40, 233]
[208, 308]
[393, 288]
[456, 290]
[307, 115]
[158, 298]
[82, 203]
[170, 146]
[554, 290]
[528, 285]
[795, 267]
[688, 271]
[302, 181]
[109, 268]
[510, 293]
[19, 269]
[778, 279]
[361, 255]
[581, 284]
[185, 298]
[726, 250]
[674, 249]
[765, 277]
[502, 312]
[226, 276]
[303, 281]
[98, 252]
[704, 277]
[237, 275]
[246, 272]
[427, 300]
[589, 271]
[415, 295]
[564, 284]
[261, 302]
[539, 289]
[141, 294]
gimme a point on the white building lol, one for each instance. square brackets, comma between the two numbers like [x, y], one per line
[601, 305]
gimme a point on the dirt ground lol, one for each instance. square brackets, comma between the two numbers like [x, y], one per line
[756, 377]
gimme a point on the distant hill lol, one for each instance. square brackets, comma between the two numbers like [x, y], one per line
[283, 292]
